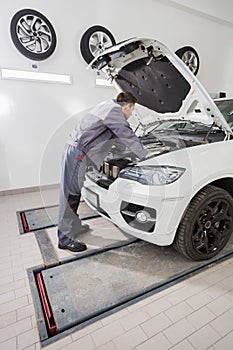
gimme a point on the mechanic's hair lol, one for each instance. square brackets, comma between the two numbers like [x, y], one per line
[125, 98]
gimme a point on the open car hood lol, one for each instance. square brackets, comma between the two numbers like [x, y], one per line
[164, 86]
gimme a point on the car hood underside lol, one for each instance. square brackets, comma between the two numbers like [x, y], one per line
[164, 86]
[158, 86]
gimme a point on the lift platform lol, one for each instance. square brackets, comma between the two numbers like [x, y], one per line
[80, 290]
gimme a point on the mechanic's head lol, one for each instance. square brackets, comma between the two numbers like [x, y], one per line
[127, 102]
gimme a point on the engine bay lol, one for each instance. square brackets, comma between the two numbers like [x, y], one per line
[118, 159]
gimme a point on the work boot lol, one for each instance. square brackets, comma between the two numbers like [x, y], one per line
[73, 246]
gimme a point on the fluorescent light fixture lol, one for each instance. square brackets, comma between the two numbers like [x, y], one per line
[103, 82]
[35, 76]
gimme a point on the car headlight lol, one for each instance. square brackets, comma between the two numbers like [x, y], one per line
[152, 175]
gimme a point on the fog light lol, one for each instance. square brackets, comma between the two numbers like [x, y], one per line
[141, 216]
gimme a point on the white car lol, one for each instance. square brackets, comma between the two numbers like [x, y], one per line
[181, 194]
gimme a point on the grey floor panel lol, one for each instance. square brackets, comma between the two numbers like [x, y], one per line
[42, 217]
[89, 286]
[45, 217]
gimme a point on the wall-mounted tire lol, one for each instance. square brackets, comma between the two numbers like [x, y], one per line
[190, 57]
[95, 40]
[33, 34]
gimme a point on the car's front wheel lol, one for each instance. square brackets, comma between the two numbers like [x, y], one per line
[207, 224]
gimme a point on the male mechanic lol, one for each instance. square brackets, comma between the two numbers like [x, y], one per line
[93, 137]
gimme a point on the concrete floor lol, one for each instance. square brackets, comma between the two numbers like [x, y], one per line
[194, 314]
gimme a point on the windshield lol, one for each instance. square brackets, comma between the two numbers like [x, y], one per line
[226, 108]
[182, 126]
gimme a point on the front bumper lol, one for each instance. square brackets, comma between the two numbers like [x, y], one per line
[162, 205]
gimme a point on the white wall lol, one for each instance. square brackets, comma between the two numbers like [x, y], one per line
[219, 10]
[35, 118]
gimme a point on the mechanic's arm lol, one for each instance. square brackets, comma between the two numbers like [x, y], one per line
[116, 122]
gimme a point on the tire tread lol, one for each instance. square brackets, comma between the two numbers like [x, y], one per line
[180, 242]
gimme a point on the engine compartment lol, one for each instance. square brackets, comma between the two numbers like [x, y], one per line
[118, 159]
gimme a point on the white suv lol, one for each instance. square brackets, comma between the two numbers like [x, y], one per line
[181, 194]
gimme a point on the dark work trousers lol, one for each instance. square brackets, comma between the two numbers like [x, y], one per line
[72, 178]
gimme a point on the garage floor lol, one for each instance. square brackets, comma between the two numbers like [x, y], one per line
[196, 313]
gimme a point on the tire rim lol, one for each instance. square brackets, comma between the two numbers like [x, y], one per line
[99, 41]
[191, 60]
[34, 34]
[212, 227]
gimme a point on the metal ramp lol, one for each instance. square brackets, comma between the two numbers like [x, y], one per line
[36, 219]
[78, 292]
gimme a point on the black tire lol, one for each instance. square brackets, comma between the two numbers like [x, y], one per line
[33, 34]
[190, 57]
[207, 224]
[94, 33]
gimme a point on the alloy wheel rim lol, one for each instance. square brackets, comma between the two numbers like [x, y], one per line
[212, 227]
[190, 59]
[34, 34]
[99, 41]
